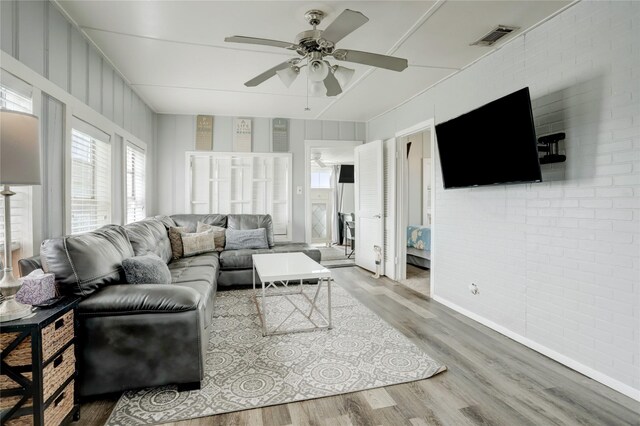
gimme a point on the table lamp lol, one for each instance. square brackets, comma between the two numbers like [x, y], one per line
[19, 165]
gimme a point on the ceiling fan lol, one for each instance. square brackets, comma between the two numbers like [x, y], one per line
[316, 157]
[313, 46]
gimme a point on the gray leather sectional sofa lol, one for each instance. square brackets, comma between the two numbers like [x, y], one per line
[139, 335]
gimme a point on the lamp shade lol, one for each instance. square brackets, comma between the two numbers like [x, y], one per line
[343, 75]
[317, 70]
[19, 149]
[288, 75]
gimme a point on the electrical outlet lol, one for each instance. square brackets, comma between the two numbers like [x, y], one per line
[473, 288]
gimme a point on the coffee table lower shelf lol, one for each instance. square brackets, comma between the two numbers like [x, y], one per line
[270, 290]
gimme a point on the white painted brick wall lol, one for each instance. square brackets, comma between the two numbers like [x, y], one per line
[558, 262]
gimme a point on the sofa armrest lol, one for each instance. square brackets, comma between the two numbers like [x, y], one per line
[28, 265]
[133, 299]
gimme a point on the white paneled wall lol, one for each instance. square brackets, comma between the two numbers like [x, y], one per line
[557, 263]
[176, 136]
[40, 38]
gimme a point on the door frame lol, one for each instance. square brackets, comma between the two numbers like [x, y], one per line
[402, 197]
[309, 144]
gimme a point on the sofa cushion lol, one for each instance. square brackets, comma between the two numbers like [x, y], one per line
[149, 236]
[239, 259]
[252, 221]
[146, 269]
[246, 239]
[86, 262]
[201, 274]
[166, 220]
[190, 221]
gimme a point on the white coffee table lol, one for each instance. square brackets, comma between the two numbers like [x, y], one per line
[274, 268]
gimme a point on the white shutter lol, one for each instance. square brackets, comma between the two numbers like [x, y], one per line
[16, 95]
[90, 180]
[135, 183]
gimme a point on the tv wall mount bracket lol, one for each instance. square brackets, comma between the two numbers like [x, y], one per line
[549, 145]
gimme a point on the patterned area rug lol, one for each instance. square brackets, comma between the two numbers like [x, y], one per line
[246, 370]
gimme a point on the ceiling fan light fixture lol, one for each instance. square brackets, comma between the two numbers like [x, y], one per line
[317, 88]
[343, 75]
[288, 75]
[317, 70]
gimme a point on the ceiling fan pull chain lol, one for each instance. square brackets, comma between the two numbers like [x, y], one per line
[307, 107]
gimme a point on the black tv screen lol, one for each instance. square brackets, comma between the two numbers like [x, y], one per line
[346, 174]
[494, 144]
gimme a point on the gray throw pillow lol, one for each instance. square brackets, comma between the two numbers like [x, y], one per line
[146, 269]
[246, 239]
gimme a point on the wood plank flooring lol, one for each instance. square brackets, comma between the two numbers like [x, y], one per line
[491, 380]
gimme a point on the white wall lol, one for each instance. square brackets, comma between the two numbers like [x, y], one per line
[176, 135]
[557, 263]
[69, 76]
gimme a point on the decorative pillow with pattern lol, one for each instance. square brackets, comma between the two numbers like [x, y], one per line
[198, 243]
[175, 237]
[218, 233]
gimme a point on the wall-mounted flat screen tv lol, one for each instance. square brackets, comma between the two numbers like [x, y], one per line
[346, 174]
[494, 144]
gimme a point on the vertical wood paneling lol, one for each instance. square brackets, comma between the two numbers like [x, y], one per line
[95, 80]
[222, 134]
[261, 135]
[31, 24]
[118, 99]
[58, 58]
[330, 130]
[53, 168]
[313, 129]
[107, 90]
[7, 26]
[127, 108]
[347, 131]
[79, 66]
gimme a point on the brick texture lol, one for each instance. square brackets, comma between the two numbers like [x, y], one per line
[557, 262]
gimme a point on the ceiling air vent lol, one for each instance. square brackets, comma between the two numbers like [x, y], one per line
[494, 35]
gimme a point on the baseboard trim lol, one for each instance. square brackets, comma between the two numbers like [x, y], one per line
[563, 359]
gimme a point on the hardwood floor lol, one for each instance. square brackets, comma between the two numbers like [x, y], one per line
[491, 380]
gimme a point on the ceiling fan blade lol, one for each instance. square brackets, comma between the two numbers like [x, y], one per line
[347, 22]
[366, 58]
[332, 85]
[267, 74]
[261, 41]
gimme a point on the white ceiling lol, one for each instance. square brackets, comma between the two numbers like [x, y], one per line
[174, 55]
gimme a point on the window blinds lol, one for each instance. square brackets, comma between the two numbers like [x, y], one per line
[135, 183]
[16, 95]
[90, 178]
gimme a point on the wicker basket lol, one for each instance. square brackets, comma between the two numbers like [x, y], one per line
[56, 335]
[55, 412]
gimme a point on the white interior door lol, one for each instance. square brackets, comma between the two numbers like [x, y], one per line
[369, 203]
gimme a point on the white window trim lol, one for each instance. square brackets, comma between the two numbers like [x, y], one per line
[142, 147]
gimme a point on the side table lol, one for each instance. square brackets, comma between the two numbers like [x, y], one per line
[38, 367]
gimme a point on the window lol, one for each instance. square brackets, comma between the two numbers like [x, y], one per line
[90, 178]
[320, 178]
[16, 95]
[135, 183]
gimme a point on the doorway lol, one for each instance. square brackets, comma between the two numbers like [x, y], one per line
[330, 200]
[415, 207]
